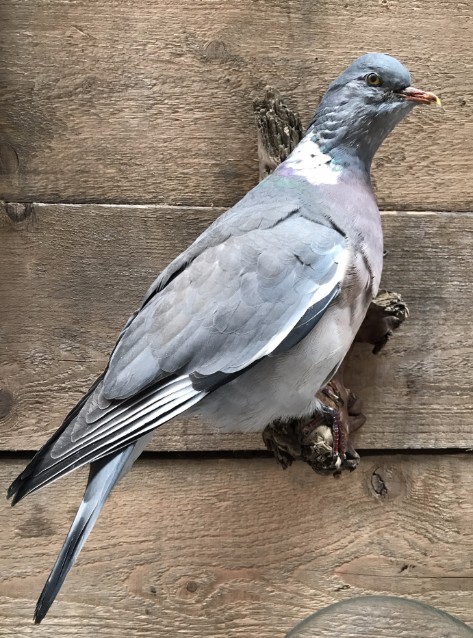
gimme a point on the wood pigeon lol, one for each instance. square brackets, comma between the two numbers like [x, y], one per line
[250, 321]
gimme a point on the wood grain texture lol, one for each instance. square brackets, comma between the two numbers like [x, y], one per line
[240, 548]
[138, 101]
[73, 275]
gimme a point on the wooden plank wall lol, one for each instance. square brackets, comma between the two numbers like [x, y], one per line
[125, 127]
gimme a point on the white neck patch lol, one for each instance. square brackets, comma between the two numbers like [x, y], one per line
[308, 161]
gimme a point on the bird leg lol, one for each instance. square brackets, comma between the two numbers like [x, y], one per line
[323, 441]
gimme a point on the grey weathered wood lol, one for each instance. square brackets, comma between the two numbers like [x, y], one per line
[137, 101]
[73, 274]
[219, 548]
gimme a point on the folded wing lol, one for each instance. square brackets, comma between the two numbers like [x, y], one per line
[254, 294]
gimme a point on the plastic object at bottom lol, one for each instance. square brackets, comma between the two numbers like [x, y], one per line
[380, 617]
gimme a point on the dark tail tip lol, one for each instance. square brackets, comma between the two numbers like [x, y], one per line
[42, 607]
[56, 578]
[38, 616]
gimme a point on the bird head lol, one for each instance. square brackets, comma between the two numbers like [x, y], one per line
[363, 105]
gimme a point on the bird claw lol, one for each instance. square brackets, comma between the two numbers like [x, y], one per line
[344, 455]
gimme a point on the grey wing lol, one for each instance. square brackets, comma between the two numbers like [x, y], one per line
[251, 296]
[234, 304]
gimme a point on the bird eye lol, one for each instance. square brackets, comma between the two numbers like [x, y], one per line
[373, 79]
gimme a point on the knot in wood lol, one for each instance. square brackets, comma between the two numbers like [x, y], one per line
[9, 161]
[387, 483]
[216, 50]
[17, 211]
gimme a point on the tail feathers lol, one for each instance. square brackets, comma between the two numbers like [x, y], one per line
[103, 475]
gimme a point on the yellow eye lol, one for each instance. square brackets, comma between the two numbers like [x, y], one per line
[373, 79]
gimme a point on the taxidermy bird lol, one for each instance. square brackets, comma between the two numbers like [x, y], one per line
[250, 321]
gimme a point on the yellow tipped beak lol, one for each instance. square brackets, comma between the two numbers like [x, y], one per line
[420, 97]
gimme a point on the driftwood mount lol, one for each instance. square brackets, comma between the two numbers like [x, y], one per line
[322, 441]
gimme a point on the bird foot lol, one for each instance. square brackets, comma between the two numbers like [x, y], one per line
[311, 441]
[321, 441]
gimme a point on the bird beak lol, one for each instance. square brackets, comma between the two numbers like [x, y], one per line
[419, 97]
